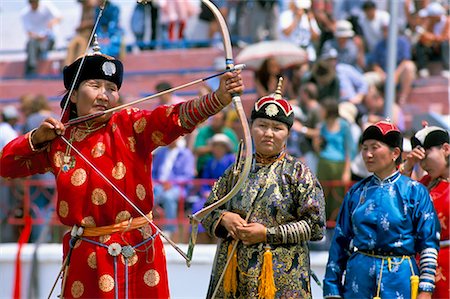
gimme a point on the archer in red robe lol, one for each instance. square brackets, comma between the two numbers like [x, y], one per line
[103, 166]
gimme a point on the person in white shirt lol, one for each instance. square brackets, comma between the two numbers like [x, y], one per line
[299, 26]
[38, 20]
[371, 23]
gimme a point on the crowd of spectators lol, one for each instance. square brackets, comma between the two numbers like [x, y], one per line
[336, 93]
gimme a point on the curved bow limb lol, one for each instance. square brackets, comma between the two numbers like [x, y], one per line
[246, 157]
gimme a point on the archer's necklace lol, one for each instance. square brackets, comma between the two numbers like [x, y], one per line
[77, 134]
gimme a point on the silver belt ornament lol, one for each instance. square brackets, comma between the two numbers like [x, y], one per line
[114, 249]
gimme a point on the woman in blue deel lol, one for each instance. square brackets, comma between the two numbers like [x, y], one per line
[384, 222]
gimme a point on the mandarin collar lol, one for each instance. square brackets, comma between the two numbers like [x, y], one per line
[389, 180]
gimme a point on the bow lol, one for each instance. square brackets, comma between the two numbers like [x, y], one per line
[247, 156]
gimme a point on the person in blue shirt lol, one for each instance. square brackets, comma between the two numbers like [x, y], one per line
[384, 222]
[173, 165]
[405, 69]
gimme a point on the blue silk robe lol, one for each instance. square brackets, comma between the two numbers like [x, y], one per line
[392, 217]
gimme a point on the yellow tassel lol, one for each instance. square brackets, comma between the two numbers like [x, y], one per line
[230, 279]
[376, 297]
[414, 286]
[266, 287]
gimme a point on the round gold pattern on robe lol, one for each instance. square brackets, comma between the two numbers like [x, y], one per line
[58, 158]
[63, 210]
[130, 261]
[140, 191]
[169, 110]
[98, 197]
[92, 260]
[104, 238]
[139, 125]
[77, 289]
[88, 221]
[122, 216]
[77, 244]
[157, 138]
[98, 150]
[146, 231]
[78, 177]
[151, 278]
[132, 144]
[106, 283]
[114, 127]
[119, 171]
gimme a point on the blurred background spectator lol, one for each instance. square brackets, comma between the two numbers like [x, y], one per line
[202, 147]
[335, 148]
[405, 69]
[109, 32]
[39, 19]
[434, 39]
[79, 43]
[349, 47]
[8, 233]
[144, 22]
[172, 164]
[298, 25]
[43, 191]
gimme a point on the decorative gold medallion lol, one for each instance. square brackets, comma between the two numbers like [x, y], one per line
[78, 177]
[119, 171]
[77, 289]
[106, 283]
[92, 260]
[98, 197]
[132, 144]
[130, 261]
[151, 278]
[139, 125]
[169, 110]
[63, 209]
[58, 158]
[123, 216]
[146, 231]
[88, 222]
[140, 191]
[158, 138]
[98, 150]
[105, 238]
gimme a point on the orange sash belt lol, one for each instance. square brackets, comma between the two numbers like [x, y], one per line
[132, 223]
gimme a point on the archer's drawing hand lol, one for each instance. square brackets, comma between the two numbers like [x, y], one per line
[48, 130]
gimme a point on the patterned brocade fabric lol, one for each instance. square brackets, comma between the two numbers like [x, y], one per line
[282, 193]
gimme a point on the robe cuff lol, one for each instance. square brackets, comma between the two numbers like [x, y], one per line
[32, 146]
[428, 264]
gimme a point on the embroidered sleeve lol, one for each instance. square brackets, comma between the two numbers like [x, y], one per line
[198, 110]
